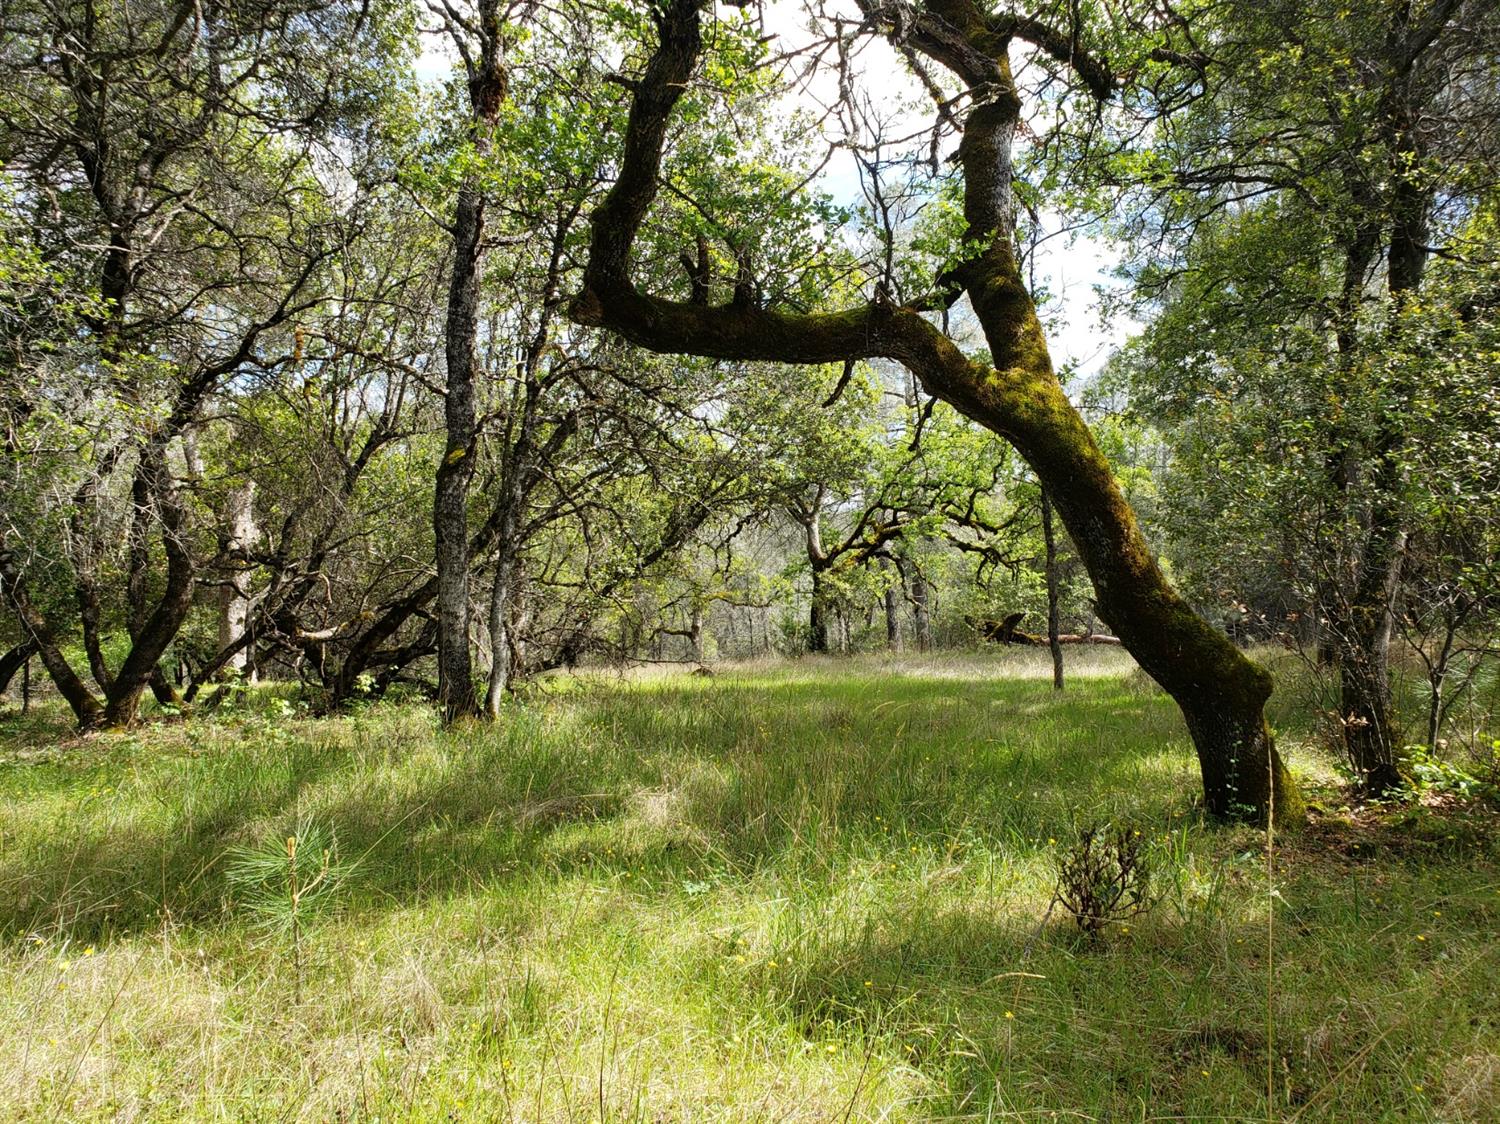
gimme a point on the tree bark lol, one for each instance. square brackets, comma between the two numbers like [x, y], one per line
[502, 593]
[810, 514]
[1053, 635]
[892, 608]
[1371, 737]
[487, 91]
[695, 633]
[12, 662]
[817, 617]
[450, 502]
[1221, 693]
[153, 632]
[234, 595]
[921, 613]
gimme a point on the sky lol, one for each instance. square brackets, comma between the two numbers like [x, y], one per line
[1069, 267]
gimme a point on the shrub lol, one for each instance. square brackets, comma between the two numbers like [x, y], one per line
[1104, 877]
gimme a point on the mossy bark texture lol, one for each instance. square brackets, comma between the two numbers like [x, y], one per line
[1222, 694]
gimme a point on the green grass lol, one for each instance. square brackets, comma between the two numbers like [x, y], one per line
[815, 891]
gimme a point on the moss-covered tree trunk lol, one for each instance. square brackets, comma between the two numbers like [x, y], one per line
[1222, 694]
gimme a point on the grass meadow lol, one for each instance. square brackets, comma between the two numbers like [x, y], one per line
[815, 890]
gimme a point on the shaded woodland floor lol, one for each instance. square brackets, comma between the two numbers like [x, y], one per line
[805, 891]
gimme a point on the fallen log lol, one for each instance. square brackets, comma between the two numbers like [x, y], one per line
[1008, 632]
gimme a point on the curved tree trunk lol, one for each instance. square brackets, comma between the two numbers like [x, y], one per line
[12, 662]
[1221, 693]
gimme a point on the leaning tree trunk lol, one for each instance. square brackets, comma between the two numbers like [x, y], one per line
[1221, 693]
[12, 662]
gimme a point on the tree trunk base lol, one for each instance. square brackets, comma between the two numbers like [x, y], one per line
[1244, 778]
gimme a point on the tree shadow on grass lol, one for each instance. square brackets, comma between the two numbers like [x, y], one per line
[806, 774]
[110, 868]
[677, 779]
[1002, 1013]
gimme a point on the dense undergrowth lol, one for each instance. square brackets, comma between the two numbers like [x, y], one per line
[810, 891]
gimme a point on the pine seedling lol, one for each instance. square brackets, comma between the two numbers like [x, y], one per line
[284, 882]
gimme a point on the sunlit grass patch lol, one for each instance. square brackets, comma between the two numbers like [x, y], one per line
[816, 891]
